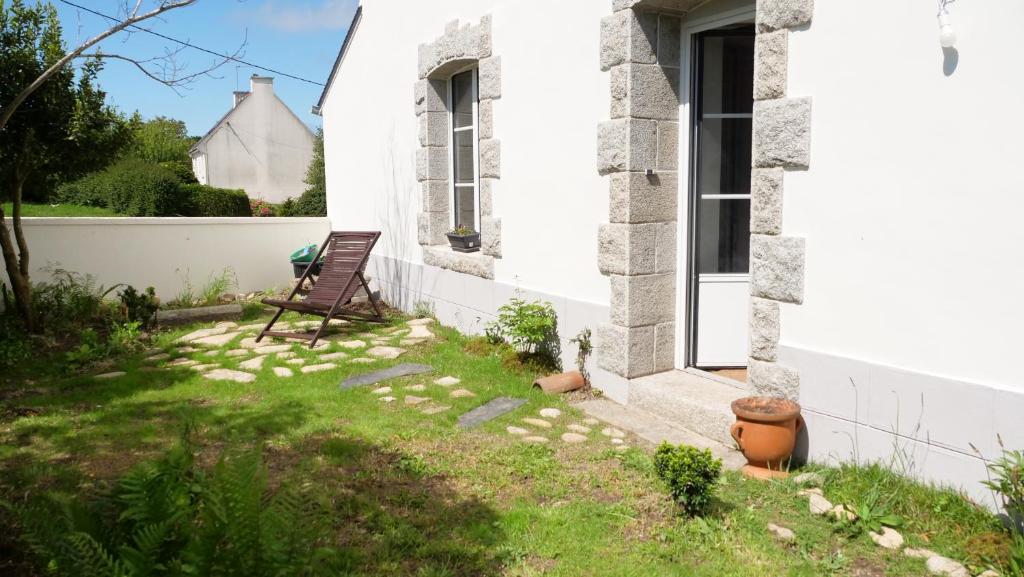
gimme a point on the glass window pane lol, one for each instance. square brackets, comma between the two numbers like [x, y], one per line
[465, 206]
[725, 157]
[724, 243]
[727, 77]
[462, 99]
[464, 153]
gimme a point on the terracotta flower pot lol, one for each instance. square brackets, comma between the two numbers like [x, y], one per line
[561, 383]
[765, 430]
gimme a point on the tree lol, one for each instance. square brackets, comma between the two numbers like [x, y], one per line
[312, 202]
[161, 139]
[36, 81]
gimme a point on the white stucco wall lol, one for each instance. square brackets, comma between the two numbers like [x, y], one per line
[911, 212]
[550, 198]
[261, 147]
[159, 252]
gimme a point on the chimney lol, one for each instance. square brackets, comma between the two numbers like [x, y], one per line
[239, 96]
[262, 84]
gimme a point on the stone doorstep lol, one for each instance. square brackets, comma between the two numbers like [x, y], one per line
[655, 429]
[690, 401]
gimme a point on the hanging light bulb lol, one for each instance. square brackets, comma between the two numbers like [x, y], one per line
[947, 36]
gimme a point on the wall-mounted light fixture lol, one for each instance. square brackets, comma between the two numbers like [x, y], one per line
[947, 36]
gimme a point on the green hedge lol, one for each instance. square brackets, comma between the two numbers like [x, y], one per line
[211, 201]
[182, 169]
[132, 187]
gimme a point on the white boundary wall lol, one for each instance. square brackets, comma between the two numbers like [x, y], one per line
[158, 252]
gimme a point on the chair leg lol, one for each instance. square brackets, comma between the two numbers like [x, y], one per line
[369, 296]
[277, 315]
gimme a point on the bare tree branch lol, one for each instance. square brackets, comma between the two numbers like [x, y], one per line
[167, 71]
[132, 19]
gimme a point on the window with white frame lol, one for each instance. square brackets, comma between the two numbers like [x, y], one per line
[462, 102]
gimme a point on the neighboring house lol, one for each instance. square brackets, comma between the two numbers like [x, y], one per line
[869, 265]
[259, 146]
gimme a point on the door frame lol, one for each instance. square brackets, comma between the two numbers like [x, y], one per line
[685, 299]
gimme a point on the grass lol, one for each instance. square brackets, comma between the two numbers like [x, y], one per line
[59, 210]
[411, 494]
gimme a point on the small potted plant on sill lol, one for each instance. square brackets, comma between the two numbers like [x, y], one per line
[464, 239]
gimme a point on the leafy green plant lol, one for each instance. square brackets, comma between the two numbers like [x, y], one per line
[169, 517]
[88, 351]
[69, 300]
[584, 348]
[139, 307]
[462, 230]
[15, 346]
[212, 201]
[1016, 563]
[690, 473]
[210, 294]
[872, 513]
[422, 309]
[530, 327]
[1006, 477]
[124, 337]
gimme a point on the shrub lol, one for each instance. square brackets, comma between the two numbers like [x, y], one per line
[529, 327]
[139, 307]
[691, 475]
[90, 190]
[259, 207]
[1006, 477]
[181, 169]
[131, 186]
[70, 300]
[169, 517]
[15, 346]
[212, 201]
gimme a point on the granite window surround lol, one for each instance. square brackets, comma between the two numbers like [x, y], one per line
[459, 48]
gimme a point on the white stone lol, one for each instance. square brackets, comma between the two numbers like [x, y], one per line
[578, 428]
[447, 381]
[237, 353]
[418, 388]
[253, 364]
[387, 399]
[613, 432]
[333, 356]
[182, 362]
[535, 439]
[550, 413]
[919, 553]
[419, 332]
[591, 421]
[286, 355]
[618, 442]
[110, 375]
[216, 340]
[782, 533]
[888, 538]
[227, 325]
[250, 343]
[462, 393]
[283, 371]
[435, 409]
[414, 400]
[272, 349]
[381, 390]
[296, 361]
[818, 505]
[204, 368]
[843, 513]
[318, 368]
[573, 438]
[212, 353]
[385, 352]
[939, 565]
[988, 573]
[420, 322]
[351, 344]
[363, 360]
[411, 342]
[230, 375]
[809, 478]
[202, 333]
[517, 430]
[159, 357]
[183, 350]
[809, 492]
[782, 133]
[541, 423]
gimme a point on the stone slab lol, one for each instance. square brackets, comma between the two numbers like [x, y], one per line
[402, 370]
[490, 410]
[184, 316]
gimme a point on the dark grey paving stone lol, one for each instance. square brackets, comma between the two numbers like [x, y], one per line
[402, 370]
[489, 410]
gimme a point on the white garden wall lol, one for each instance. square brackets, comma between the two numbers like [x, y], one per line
[160, 252]
[910, 322]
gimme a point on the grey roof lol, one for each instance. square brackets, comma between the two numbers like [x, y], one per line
[341, 56]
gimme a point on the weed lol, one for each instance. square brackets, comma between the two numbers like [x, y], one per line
[585, 347]
[423, 309]
[872, 512]
[210, 294]
[530, 327]
[1006, 478]
[139, 307]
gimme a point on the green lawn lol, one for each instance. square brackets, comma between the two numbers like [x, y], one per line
[59, 210]
[411, 494]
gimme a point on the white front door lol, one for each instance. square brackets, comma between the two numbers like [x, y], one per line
[719, 196]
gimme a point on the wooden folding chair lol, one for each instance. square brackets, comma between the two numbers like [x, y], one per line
[344, 260]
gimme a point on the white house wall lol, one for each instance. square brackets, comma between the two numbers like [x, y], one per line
[910, 320]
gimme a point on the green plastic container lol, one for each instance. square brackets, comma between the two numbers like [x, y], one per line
[305, 254]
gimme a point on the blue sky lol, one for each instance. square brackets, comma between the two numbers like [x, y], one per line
[300, 37]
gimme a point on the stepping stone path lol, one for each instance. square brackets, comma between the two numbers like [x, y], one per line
[230, 375]
[351, 344]
[462, 393]
[385, 352]
[363, 360]
[939, 565]
[573, 438]
[321, 345]
[410, 342]
[333, 356]
[613, 432]
[447, 381]
[414, 400]
[579, 429]
[591, 421]
[158, 357]
[272, 349]
[419, 332]
[204, 368]
[888, 538]
[381, 391]
[517, 431]
[318, 368]
[286, 355]
[253, 364]
[388, 399]
[367, 335]
[296, 361]
[541, 423]
[216, 340]
[111, 375]
[258, 327]
[183, 350]
[227, 325]
[435, 410]
[182, 362]
[550, 413]
[535, 439]
[416, 388]
[490, 410]
[212, 353]
[420, 322]
[782, 533]
[402, 370]
[202, 334]
[618, 442]
[818, 505]
[283, 372]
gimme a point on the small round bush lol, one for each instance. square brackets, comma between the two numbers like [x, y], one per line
[691, 475]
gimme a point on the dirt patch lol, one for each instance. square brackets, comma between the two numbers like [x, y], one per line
[861, 567]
